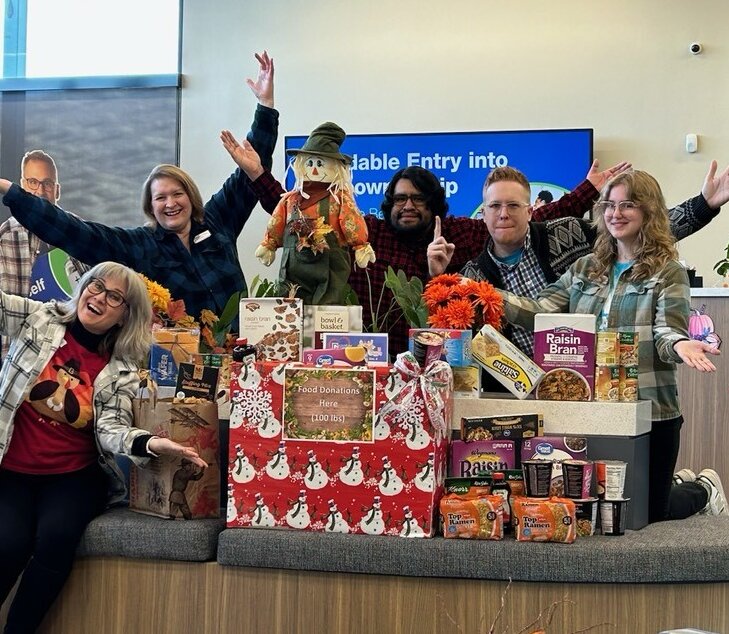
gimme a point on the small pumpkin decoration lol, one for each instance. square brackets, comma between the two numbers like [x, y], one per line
[701, 327]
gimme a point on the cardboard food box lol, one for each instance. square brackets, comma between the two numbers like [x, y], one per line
[323, 319]
[274, 325]
[349, 450]
[467, 381]
[171, 347]
[501, 427]
[173, 487]
[505, 362]
[477, 458]
[222, 394]
[564, 347]
[347, 356]
[555, 449]
[376, 344]
[456, 344]
[607, 348]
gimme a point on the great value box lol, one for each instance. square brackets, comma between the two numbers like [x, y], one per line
[554, 449]
[350, 450]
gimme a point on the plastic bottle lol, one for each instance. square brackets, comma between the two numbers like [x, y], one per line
[502, 488]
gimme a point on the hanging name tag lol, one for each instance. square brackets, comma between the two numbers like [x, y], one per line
[201, 236]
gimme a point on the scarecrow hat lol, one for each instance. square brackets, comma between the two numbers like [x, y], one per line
[325, 141]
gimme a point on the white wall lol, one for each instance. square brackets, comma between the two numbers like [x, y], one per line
[622, 68]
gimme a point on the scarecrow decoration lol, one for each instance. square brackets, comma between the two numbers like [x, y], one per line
[318, 222]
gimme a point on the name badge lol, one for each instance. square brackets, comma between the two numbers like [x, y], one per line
[201, 236]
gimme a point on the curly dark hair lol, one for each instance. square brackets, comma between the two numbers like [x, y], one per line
[426, 183]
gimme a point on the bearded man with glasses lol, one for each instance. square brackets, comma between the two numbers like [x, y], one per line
[19, 248]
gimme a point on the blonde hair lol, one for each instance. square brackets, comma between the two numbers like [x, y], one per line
[510, 175]
[342, 180]
[181, 176]
[130, 341]
[655, 244]
[43, 157]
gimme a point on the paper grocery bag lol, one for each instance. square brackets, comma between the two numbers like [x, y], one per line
[175, 487]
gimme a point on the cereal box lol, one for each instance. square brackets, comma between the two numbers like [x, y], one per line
[564, 347]
[456, 343]
[475, 459]
[274, 325]
[505, 362]
[322, 319]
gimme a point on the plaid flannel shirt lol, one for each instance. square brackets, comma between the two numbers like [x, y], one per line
[469, 236]
[36, 334]
[206, 275]
[656, 308]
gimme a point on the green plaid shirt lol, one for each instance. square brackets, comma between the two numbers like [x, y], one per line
[657, 309]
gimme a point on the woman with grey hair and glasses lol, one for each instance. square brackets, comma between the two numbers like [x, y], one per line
[66, 391]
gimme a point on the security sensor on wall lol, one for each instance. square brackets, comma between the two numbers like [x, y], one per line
[692, 143]
[695, 48]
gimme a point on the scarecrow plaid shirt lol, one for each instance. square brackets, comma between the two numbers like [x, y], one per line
[206, 275]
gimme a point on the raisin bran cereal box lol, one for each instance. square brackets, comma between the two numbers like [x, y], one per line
[274, 325]
[564, 347]
[475, 459]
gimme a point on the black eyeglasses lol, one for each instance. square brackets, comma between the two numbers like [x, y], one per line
[33, 184]
[113, 298]
[418, 200]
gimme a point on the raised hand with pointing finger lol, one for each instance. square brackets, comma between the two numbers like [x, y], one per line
[440, 251]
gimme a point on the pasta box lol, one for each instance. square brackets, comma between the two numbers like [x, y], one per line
[564, 347]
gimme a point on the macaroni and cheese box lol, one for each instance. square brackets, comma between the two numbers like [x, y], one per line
[374, 342]
[564, 347]
[505, 362]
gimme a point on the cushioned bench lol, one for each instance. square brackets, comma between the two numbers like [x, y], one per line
[691, 550]
[124, 533]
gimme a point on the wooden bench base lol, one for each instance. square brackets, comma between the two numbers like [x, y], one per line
[117, 596]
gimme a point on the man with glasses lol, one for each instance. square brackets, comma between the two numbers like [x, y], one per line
[523, 256]
[20, 249]
[414, 202]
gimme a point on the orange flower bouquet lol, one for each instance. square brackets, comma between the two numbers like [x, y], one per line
[166, 312]
[459, 303]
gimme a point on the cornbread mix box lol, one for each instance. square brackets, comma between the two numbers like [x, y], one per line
[345, 450]
[456, 344]
[322, 319]
[477, 458]
[555, 449]
[505, 427]
[505, 362]
[171, 347]
[564, 347]
[374, 342]
[274, 325]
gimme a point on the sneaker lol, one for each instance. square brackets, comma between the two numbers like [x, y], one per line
[709, 479]
[685, 475]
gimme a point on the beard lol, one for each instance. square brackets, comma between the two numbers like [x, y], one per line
[416, 231]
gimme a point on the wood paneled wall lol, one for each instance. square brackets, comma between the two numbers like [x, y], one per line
[118, 596]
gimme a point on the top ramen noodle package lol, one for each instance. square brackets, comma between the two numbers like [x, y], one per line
[538, 520]
[564, 347]
[480, 517]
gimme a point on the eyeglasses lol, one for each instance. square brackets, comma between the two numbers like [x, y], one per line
[511, 207]
[608, 206]
[113, 298]
[418, 200]
[33, 184]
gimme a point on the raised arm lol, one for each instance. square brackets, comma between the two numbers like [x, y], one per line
[580, 200]
[90, 242]
[697, 212]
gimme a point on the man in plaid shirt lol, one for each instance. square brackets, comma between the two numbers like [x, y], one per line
[523, 257]
[19, 248]
[190, 248]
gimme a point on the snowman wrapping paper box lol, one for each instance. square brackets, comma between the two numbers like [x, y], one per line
[338, 450]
